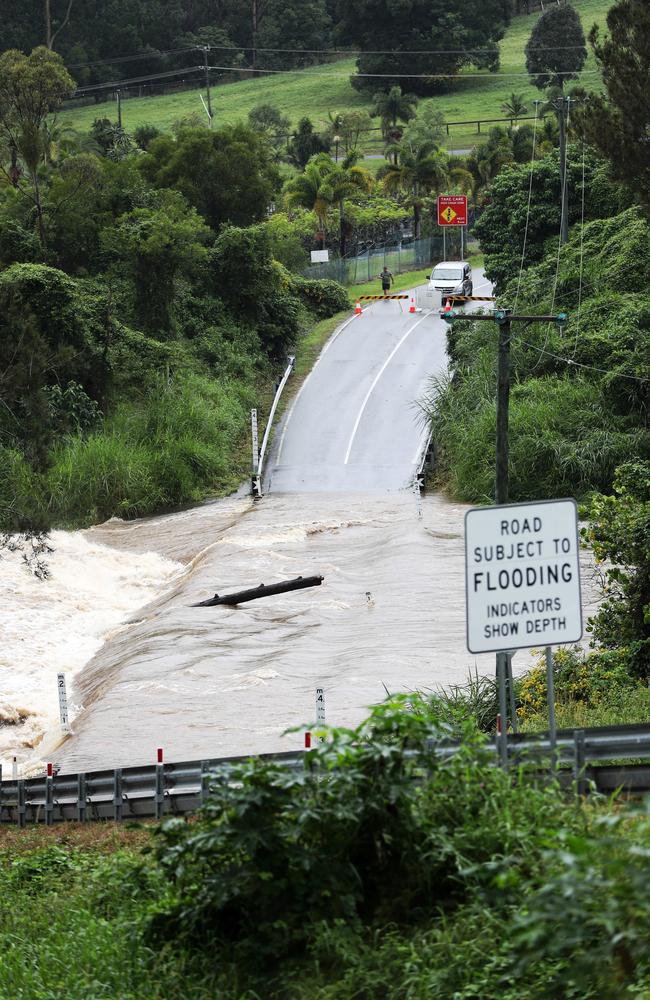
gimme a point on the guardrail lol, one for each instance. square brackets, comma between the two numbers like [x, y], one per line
[259, 456]
[154, 791]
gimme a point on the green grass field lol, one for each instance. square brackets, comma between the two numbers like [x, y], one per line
[321, 89]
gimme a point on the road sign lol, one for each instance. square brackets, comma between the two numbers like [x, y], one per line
[522, 576]
[452, 210]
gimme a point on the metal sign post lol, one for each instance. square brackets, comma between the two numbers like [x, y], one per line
[550, 697]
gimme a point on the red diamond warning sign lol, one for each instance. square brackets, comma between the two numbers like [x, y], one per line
[452, 210]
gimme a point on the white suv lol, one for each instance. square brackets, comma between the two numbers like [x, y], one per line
[452, 278]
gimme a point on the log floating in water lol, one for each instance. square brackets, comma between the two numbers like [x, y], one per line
[264, 590]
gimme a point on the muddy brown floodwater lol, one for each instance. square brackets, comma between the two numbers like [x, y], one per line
[216, 681]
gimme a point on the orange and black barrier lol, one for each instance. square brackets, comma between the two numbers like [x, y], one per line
[374, 297]
[468, 298]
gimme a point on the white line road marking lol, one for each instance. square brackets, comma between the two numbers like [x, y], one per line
[302, 387]
[376, 380]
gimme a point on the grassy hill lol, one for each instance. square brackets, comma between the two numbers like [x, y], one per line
[321, 89]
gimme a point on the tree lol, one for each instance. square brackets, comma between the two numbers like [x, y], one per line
[31, 87]
[428, 125]
[502, 224]
[515, 107]
[619, 530]
[555, 53]
[269, 122]
[50, 34]
[407, 31]
[556, 50]
[325, 184]
[346, 180]
[394, 107]
[253, 286]
[416, 171]
[227, 174]
[159, 243]
[305, 143]
[348, 127]
[312, 189]
[43, 339]
[619, 124]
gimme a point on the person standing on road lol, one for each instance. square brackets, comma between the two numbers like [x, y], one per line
[386, 279]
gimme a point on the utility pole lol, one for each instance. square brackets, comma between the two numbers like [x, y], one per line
[206, 49]
[562, 107]
[503, 318]
[118, 94]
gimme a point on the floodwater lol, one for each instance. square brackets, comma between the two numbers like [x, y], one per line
[202, 682]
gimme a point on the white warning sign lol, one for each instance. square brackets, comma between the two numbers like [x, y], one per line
[522, 576]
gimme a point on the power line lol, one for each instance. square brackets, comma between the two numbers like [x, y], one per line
[151, 54]
[396, 76]
[115, 84]
[136, 57]
[578, 364]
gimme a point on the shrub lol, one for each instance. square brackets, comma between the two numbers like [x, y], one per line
[324, 298]
[564, 439]
[354, 838]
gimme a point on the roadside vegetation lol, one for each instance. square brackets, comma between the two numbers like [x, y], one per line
[579, 417]
[348, 879]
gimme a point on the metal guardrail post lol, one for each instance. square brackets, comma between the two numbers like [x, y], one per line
[117, 794]
[21, 803]
[81, 797]
[203, 791]
[159, 791]
[579, 761]
[49, 800]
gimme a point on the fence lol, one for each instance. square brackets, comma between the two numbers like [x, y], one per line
[180, 788]
[397, 257]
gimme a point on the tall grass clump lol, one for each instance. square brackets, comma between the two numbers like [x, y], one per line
[564, 439]
[167, 448]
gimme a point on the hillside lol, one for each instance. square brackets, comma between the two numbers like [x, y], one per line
[321, 89]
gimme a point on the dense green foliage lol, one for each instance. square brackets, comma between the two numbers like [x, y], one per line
[617, 123]
[138, 37]
[347, 878]
[579, 403]
[137, 327]
[227, 174]
[470, 29]
[506, 220]
[620, 534]
[556, 49]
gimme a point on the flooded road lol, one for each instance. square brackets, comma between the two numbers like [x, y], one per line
[219, 681]
[204, 682]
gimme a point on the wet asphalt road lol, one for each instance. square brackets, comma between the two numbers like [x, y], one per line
[356, 425]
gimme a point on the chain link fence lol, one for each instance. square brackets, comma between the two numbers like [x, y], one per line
[397, 257]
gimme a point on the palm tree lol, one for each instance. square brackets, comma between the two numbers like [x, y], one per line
[324, 184]
[416, 170]
[514, 108]
[346, 180]
[394, 107]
